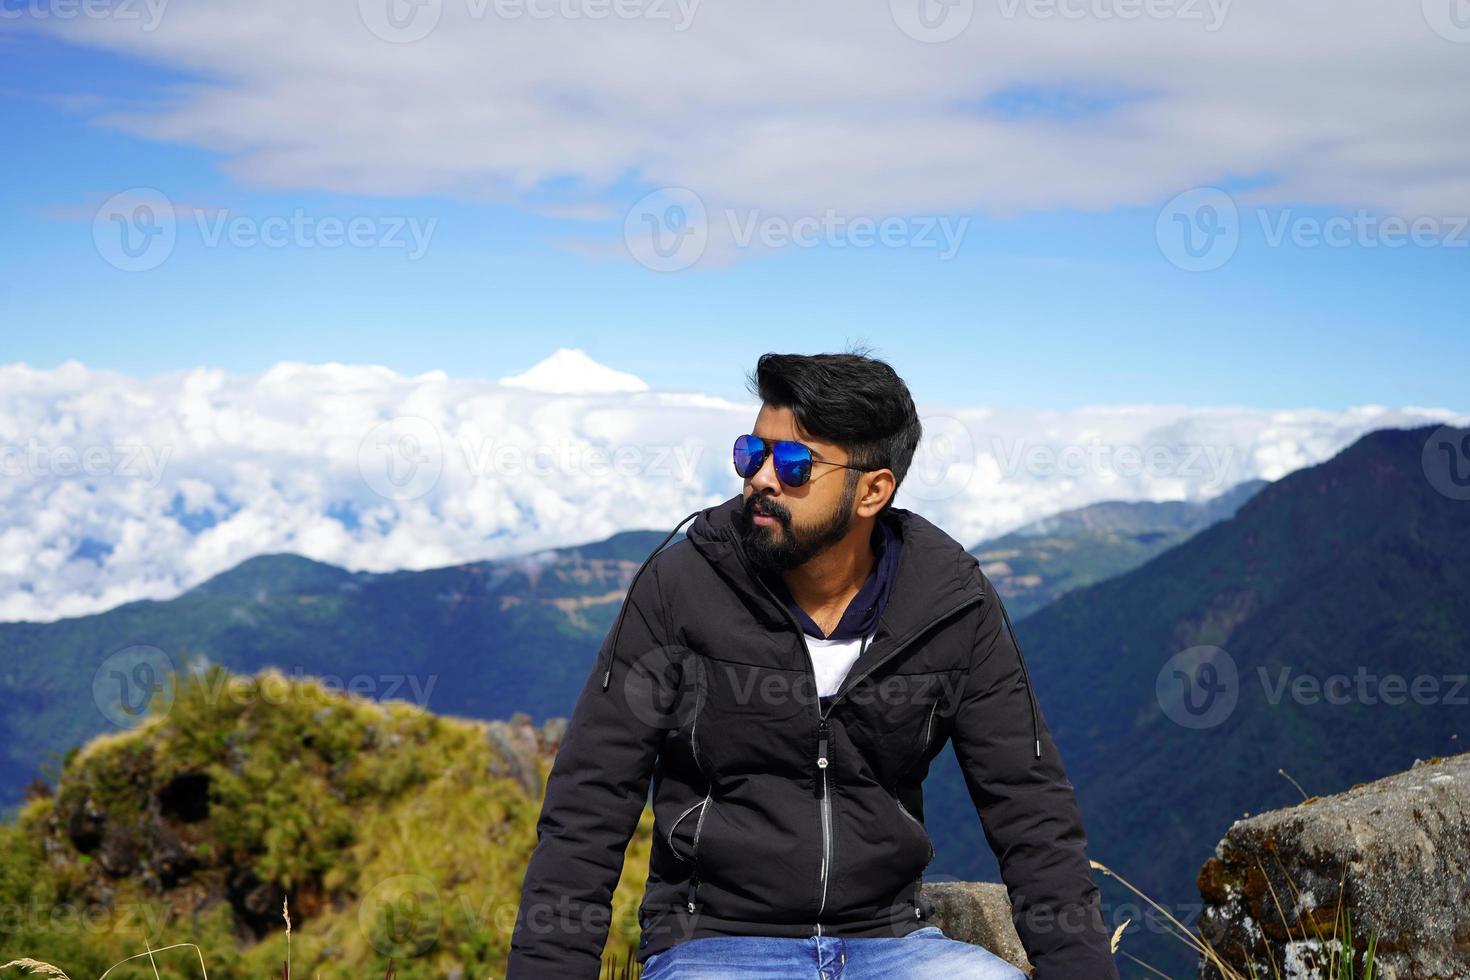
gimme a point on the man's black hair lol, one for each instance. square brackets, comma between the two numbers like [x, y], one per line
[851, 399]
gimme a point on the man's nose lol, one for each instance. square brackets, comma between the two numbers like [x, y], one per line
[765, 477]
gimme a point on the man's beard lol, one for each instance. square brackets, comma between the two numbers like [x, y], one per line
[773, 551]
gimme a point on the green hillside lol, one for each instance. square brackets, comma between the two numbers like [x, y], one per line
[388, 832]
[1354, 566]
[1034, 565]
[482, 640]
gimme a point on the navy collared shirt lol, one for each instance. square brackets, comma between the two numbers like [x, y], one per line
[860, 618]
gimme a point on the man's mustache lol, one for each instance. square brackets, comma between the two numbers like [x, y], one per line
[755, 505]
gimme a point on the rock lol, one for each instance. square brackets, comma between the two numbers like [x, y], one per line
[515, 755]
[977, 913]
[1394, 854]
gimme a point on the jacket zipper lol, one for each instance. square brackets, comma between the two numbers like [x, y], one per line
[822, 728]
[825, 807]
[826, 798]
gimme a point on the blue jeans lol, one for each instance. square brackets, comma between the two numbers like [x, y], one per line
[925, 954]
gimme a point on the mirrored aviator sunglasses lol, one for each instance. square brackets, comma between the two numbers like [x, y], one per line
[793, 460]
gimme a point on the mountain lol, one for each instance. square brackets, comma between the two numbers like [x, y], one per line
[1320, 632]
[1034, 564]
[1355, 566]
[386, 831]
[482, 640]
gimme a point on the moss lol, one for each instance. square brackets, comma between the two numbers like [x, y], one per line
[379, 824]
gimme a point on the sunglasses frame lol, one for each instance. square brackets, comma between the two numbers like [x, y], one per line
[768, 451]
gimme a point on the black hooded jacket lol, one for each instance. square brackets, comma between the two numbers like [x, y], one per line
[774, 816]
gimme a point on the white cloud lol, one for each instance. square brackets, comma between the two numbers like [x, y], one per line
[796, 108]
[117, 488]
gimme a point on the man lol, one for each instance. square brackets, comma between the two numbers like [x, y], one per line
[782, 679]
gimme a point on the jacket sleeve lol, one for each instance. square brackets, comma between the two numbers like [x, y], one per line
[595, 794]
[1028, 811]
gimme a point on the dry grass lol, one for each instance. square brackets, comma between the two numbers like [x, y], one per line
[1341, 961]
[626, 969]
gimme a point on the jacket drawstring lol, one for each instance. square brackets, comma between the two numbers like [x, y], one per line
[1030, 694]
[612, 646]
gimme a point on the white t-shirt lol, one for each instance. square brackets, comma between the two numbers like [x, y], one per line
[832, 660]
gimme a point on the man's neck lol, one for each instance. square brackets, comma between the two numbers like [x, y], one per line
[824, 585]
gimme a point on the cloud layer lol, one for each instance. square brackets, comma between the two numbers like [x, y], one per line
[579, 106]
[118, 488]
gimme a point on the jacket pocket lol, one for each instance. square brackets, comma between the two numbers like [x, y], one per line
[683, 836]
[914, 822]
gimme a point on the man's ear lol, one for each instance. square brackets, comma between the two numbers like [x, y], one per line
[876, 489]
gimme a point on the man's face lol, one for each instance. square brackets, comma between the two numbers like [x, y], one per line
[782, 527]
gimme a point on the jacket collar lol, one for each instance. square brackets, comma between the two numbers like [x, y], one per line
[935, 577]
[933, 573]
[861, 615]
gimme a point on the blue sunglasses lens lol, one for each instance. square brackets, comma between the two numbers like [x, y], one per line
[750, 455]
[793, 463]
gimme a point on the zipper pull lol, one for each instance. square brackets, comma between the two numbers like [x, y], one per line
[822, 733]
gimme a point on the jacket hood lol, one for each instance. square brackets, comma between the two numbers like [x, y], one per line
[934, 573]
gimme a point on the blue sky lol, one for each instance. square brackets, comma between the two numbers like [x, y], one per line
[1046, 305]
